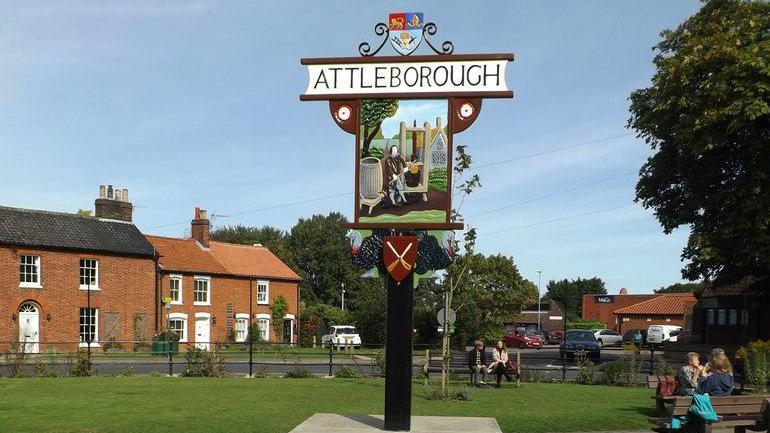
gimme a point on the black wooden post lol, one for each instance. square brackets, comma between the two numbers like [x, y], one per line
[398, 355]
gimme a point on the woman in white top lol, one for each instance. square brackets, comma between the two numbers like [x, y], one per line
[499, 361]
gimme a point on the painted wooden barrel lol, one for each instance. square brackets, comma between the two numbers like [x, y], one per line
[370, 177]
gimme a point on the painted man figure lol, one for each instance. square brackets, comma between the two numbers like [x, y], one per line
[395, 166]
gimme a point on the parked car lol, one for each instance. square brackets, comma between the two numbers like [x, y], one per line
[555, 337]
[523, 339]
[682, 336]
[608, 337]
[341, 336]
[628, 336]
[657, 334]
[580, 342]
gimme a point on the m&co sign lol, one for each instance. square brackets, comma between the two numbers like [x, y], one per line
[604, 299]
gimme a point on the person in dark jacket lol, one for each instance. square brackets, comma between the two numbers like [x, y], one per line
[477, 362]
[719, 383]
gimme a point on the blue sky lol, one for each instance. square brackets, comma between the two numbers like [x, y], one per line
[195, 103]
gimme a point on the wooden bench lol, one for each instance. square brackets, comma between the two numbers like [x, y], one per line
[737, 414]
[660, 401]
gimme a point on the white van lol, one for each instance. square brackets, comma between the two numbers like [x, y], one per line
[657, 334]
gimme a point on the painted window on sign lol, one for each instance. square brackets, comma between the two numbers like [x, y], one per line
[88, 325]
[89, 274]
[29, 270]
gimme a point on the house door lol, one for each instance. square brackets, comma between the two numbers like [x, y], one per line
[288, 330]
[202, 333]
[29, 328]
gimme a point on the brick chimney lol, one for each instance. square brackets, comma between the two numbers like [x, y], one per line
[201, 227]
[113, 205]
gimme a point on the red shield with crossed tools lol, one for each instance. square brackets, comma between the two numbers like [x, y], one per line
[399, 255]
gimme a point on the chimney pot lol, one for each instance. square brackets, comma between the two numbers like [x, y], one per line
[125, 194]
[114, 207]
[109, 191]
[117, 194]
[102, 191]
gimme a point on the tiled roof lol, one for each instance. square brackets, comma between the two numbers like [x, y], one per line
[247, 260]
[185, 255]
[747, 285]
[220, 258]
[677, 303]
[45, 229]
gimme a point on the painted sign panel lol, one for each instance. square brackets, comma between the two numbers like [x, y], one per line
[398, 77]
[604, 299]
[399, 255]
[404, 160]
[405, 31]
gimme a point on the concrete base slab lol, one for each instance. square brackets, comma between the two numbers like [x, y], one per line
[340, 423]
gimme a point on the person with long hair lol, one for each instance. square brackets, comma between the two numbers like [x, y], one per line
[499, 361]
[719, 383]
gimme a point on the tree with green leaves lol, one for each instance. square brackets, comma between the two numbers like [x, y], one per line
[373, 113]
[706, 115]
[568, 294]
[278, 311]
[271, 237]
[680, 288]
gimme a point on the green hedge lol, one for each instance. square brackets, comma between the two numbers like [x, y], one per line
[586, 324]
[437, 179]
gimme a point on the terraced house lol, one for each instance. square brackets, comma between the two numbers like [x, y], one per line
[215, 288]
[67, 279]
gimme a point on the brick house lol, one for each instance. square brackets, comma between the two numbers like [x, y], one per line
[210, 283]
[53, 265]
[732, 314]
[669, 309]
[601, 307]
[551, 317]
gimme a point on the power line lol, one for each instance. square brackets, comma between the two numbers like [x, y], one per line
[558, 149]
[260, 209]
[542, 197]
[557, 219]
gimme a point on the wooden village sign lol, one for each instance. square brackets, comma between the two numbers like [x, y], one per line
[404, 112]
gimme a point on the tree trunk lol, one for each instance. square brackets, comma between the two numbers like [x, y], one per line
[368, 139]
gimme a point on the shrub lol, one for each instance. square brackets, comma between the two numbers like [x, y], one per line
[379, 360]
[586, 372]
[16, 358]
[298, 372]
[261, 372]
[155, 373]
[756, 364]
[458, 393]
[80, 364]
[46, 365]
[622, 371]
[376, 152]
[166, 335]
[128, 371]
[202, 363]
[346, 372]
[662, 368]
[586, 324]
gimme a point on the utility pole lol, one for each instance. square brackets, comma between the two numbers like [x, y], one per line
[343, 296]
[538, 299]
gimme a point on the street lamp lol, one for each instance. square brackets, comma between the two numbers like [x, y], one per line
[538, 299]
[343, 296]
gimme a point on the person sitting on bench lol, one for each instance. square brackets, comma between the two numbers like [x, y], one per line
[689, 375]
[499, 363]
[477, 362]
[719, 383]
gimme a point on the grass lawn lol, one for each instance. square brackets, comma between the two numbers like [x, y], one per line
[189, 405]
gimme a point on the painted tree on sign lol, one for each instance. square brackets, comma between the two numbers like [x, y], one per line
[373, 112]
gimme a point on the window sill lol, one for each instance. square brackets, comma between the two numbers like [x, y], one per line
[30, 286]
[202, 304]
[93, 288]
[263, 303]
[175, 303]
[93, 344]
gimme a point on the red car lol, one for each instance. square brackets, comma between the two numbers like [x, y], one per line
[523, 339]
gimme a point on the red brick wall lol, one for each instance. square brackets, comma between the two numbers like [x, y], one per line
[593, 310]
[640, 321]
[228, 290]
[126, 287]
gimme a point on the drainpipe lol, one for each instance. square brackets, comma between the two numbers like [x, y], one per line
[156, 312]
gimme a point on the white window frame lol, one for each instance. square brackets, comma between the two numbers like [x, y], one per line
[265, 332]
[721, 317]
[29, 284]
[183, 318]
[293, 322]
[711, 316]
[266, 285]
[95, 341]
[180, 279]
[732, 317]
[239, 317]
[80, 268]
[196, 279]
